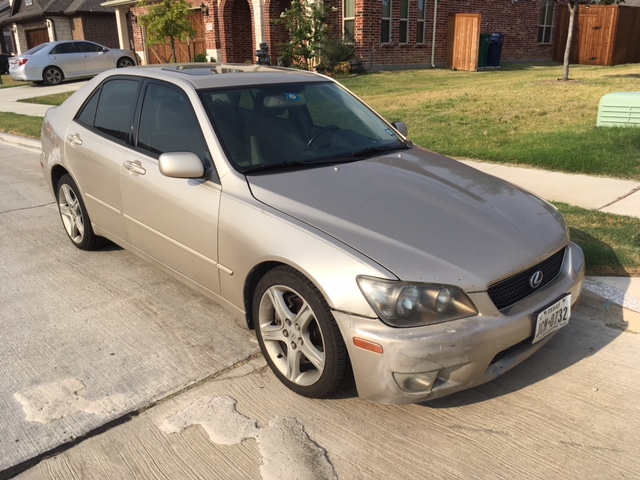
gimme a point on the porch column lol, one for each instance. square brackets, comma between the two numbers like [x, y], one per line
[123, 30]
[259, 26]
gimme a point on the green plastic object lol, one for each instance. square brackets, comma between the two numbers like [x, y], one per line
[619, 109]
[485, 40]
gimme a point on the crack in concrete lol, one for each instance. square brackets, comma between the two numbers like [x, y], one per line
[27, 208]
[613, 202]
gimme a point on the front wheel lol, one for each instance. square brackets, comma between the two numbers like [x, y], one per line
[298, 335]
[125, 62]
[52, 76]
[75, 217]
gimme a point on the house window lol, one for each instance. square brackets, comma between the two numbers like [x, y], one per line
[421, 22]
[385, 34]
[349, 19]
[546, 21]
[404, 21]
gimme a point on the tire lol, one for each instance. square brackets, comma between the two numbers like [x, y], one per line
[52, 76]
[74, 216]
[298, 335]
[125, 62]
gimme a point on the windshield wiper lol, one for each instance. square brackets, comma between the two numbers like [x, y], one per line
[382, 148]
[276, 166]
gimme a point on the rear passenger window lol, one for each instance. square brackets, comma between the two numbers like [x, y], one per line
[63, 48]
[115, 109]
[87, 115]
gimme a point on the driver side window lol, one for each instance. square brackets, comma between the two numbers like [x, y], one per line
[169, 124]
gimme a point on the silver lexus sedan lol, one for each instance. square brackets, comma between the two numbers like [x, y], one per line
[54, 62]
[352, 252]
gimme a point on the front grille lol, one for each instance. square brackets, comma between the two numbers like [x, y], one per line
[510, 291]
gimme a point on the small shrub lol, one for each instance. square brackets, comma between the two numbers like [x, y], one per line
[343, 68]
[201, 57]
[335, 51]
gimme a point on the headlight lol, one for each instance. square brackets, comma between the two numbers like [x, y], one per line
[405, 304]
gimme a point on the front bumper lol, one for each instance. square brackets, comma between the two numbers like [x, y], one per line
[452, 356]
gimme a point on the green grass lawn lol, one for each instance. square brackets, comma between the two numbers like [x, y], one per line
[7, 82]
[519, 114]
[54, 99]
[24, 125]
[611, 243]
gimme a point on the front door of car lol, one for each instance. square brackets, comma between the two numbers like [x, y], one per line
[68, 59]
[173, 220]
[96, 60]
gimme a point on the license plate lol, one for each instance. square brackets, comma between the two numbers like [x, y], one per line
[552, 318]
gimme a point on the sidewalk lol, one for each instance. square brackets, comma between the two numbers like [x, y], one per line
[9, 97]
[608, 195]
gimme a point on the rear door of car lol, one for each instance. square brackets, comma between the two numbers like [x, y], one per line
[95, 148]
[174, 220]
[96, 60]
[66, 56]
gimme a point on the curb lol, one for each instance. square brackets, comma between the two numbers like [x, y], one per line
[23, 142]
[624, 299]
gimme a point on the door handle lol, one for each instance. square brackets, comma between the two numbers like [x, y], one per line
[135, 167]
[74, 139]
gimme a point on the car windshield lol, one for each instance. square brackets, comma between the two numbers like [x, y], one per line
[268, 127]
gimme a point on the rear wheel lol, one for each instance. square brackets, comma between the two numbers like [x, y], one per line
[298, 334]
[52, 76]
[75, 217]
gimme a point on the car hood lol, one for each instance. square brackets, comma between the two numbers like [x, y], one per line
[422, 216]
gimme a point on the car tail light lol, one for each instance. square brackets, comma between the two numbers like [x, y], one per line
[21, 61]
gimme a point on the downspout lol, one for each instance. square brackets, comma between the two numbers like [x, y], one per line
[433, 38]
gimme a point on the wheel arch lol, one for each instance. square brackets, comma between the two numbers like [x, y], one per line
[57, 172]
[251, 283]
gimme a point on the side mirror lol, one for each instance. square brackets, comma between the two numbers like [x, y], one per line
[180, 165]
[402, 128]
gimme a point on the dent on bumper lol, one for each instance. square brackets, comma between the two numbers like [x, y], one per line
[457, 355]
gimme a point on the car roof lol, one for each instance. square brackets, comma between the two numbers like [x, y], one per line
[214, 75]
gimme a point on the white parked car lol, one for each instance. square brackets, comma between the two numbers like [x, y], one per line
[54, 62]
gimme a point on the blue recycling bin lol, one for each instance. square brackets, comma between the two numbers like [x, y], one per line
[495, 48]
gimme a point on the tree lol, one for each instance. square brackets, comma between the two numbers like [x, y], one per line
[573, 6]
[167, 19]
[308, 26]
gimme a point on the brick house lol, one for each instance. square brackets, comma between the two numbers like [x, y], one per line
[386, 32]
[27, 23]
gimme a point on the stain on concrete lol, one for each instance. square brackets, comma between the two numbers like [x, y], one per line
[218, 417]
[286, 448]
[51, 401]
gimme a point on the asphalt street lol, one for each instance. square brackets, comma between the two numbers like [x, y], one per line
[111, 370]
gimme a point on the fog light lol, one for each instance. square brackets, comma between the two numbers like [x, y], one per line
[421, 382]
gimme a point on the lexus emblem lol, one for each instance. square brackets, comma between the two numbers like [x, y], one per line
[536, 280]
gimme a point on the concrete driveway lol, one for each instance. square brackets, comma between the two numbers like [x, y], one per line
[116, 371]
